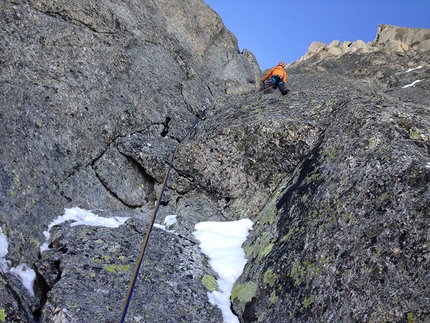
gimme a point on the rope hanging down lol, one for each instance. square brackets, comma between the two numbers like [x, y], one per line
[151, 224]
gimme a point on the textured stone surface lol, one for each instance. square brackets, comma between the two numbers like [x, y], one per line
[90, 265]
[79, 76]
[388, 38]
[95, 96]
[399, 39]
[346, 236]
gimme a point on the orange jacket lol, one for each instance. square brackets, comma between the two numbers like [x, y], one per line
[277, 70]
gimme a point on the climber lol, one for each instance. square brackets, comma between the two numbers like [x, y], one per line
[276, 78]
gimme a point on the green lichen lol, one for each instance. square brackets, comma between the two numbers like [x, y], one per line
[209, 282]
[313, 269]
[268, 216]
[332, 153]
[235, 291]
[289, 234]
[305, 269]
[17, 178]
[12, 194]
[244, 292]
[372, 143]
[414, 134]
[410, 317]
[304, 198]
[296, 273]
[267, 250]
[249, 249]
[106, 258]
[123, 267]
[114, 268]
[346, 216]
[269, 277]
[259, 249]
[239, 146]
[273, 297]
[308, 301]
[2, 314]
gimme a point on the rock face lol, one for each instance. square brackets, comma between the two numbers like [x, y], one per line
[72, 75]
[86, 86]
[95, 96]
[345, 238]
[389, 38]
[399, 39]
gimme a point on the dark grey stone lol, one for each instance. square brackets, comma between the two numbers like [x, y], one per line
[96, 96]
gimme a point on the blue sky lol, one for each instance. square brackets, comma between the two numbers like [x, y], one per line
[275, 30]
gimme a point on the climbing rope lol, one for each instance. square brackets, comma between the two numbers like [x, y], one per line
[151, 224]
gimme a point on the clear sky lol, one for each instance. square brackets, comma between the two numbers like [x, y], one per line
[275, 30]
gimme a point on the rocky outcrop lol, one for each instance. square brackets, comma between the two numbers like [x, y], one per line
[80, 78]
[398, 39]
[345, 237]
[77, 76]
[389, 38]
[97, 94]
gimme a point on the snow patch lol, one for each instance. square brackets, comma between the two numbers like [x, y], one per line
[222, 243]
[412, 84]
[82, 217]
[168, 221]
[25, 273]
[4, 245]
[413, 69]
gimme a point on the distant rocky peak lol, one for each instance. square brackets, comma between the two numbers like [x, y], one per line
[399, 39]
[388, 38]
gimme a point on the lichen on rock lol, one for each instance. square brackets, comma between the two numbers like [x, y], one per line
[97, 95]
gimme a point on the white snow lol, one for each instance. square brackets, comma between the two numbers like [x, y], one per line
[82, 217]
[428, 165]
[25, 273]
[168, 221]
[222, 243]
[412, 84]
[4, 245]
[413, 69]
